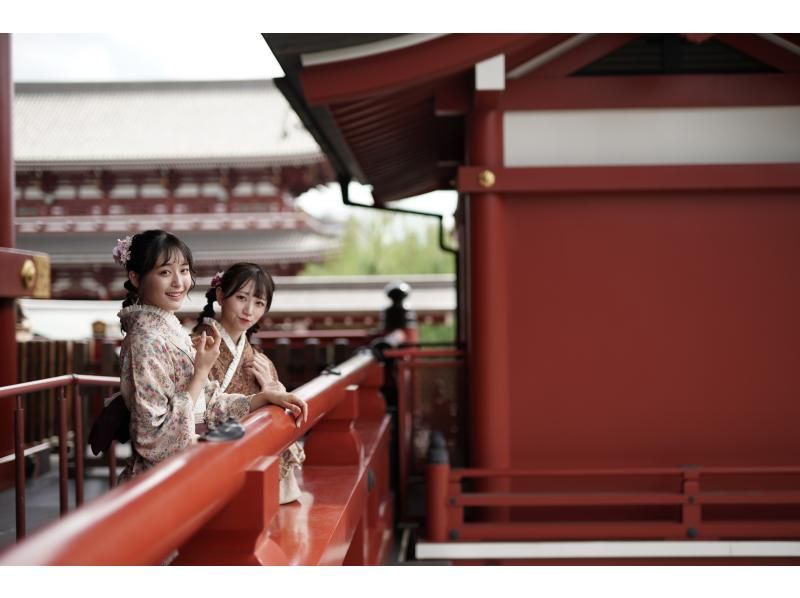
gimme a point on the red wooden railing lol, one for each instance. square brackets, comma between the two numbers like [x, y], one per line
[680, 503]
[298, 338]
[301, 355]
[218, 503]
[59, 383]
[38, 359]
[429, 397]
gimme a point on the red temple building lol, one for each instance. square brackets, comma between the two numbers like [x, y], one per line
[624, 385]
[218, 162]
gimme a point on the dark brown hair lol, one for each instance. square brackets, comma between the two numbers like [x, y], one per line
[234, 279]
[149, 250]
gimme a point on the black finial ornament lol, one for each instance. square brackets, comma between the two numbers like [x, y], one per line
[396, 315]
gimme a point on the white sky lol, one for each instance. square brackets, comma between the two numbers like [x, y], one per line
[129, 56]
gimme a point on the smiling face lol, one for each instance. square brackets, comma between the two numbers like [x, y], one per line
[167, 284]
[241, 310]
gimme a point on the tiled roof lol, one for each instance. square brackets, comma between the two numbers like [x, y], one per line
[211, 247]
[190, 124]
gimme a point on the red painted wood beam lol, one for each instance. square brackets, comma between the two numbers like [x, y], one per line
[593, 530]
[348, 111]
[762, 50]
[391, 171]
[656, 91]
[488, 351]
[566, 499]
[414, 137]
[583, 55]
[712, 177]
[396, 175]
[11, 283]
[388, 125]
[697, 38]
[401, 162]
[404, 133]
[8, 342]
[398, 158]
[454, 96]
[6, 159]
[413, 144]
[394, 159]
[793, 38]
[401, 132]
[399, 69]
[386, 114]
[410, 156]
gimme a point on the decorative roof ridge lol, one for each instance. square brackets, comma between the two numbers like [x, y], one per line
[243, 160]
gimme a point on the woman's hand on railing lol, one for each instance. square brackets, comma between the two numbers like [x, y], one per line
[286, 400]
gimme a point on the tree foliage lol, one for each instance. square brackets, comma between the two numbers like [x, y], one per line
[384, 245]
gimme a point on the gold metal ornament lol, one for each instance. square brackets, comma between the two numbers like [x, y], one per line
[486, 179]
[41, 284]
[28, 274]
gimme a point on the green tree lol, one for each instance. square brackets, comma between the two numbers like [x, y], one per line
[384, 245]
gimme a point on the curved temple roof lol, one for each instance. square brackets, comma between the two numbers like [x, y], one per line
[171, 123]
[391, 111]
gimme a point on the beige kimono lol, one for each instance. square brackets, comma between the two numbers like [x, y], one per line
[157, 365]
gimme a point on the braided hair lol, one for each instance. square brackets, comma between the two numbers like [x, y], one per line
[234, 279]
[149, 250]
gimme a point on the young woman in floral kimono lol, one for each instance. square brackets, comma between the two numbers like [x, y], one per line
[163, 376]
[244, 293]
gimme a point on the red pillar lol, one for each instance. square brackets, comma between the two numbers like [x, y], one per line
[8, 327]
[488, 290]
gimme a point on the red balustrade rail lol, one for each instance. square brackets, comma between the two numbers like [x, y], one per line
[298, 337]
[60, 383]
[681, 503]
[217, 503]
[429, 397]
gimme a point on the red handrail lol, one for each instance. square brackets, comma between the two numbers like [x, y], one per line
[354, 334]
[423, 352]
[57, 382]
[143, 521]
[446, 501]
[459, 474]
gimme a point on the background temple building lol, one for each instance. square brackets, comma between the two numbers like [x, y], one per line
[219, 163]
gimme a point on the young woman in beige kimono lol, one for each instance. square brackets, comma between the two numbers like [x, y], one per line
[244, 292]
[163, 376]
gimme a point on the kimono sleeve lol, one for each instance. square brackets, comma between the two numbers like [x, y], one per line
[220, 406]
[274, 382]
[162, 422]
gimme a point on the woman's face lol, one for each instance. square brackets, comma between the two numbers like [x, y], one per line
[165, 286]
[242, 309]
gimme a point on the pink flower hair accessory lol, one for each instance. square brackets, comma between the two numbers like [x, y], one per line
[217, 280]
[122, 250]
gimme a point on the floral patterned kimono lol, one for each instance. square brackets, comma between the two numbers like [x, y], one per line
[234, 379]
[157, 365]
